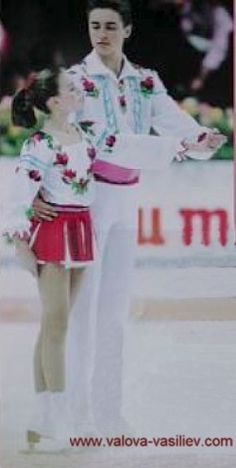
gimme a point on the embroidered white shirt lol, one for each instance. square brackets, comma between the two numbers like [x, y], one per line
[135, 102]
[64, 174]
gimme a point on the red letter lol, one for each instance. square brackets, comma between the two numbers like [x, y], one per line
[205, 217]
[155, 237]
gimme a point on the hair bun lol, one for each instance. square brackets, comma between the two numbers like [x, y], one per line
[24, 100]
[22, 109]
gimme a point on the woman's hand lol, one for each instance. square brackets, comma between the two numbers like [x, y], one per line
[25, 256]
[43, 210]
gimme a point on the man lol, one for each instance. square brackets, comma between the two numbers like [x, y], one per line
[127, 98]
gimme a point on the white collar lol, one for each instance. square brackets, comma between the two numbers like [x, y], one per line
[96, 67]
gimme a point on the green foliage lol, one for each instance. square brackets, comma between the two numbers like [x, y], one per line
[213, 117]
[12, 137]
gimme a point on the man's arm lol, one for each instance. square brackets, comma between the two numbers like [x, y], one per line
[169, 119]
[43, 210]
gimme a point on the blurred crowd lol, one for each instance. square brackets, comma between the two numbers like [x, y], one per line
[206, 26]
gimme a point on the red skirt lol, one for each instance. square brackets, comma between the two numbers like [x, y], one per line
[66, 239]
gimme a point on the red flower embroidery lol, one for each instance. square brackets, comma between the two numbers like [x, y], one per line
[91, 153]
[147, 86]
[122, 102]
[90, 88]
[83, 183]
[110, 140]
[34, 175]
[202, 137]
[61, 159]
[38, 136]
[148, 83]
[68, 175]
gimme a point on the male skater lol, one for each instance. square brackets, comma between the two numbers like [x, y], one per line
[122, 97]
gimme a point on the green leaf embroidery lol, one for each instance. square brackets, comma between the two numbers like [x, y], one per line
[29, 212]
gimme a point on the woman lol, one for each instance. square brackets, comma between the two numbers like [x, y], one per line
[59, 162]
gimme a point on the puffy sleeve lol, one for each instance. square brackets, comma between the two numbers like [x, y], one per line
[140, 152]
[168, 119]
[35, 159]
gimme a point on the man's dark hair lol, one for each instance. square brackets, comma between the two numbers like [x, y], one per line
[122, 7]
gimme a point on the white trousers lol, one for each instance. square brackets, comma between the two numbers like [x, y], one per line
[100, 314]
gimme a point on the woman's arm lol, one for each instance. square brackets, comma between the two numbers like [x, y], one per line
[28, 178]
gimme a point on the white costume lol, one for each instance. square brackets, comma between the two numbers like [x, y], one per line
[61, 173]
[64, 174]
[135, 102]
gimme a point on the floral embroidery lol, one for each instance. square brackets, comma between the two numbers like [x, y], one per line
[91, 153]
[90, 88]
[81, 186]
[29, 213]
[34, 175]
[202, 137]
[110, 140]
[123, 103]
[122, 98]
[147, 86]
[61, 159]
[78, 186]
[39, 136]
[68, 175]
[87, 127]
[83, 183]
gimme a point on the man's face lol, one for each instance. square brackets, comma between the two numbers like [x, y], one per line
[107, 31]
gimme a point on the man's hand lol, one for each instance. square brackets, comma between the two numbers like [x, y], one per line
[207, 142]
[25, 256]
[43, 210]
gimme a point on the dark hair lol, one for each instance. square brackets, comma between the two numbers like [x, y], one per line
[122, 7]
[44, 85]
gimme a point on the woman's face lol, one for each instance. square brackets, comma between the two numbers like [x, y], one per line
[107, 32]
[70, 98]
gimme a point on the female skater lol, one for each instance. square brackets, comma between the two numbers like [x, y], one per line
[59, 162]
